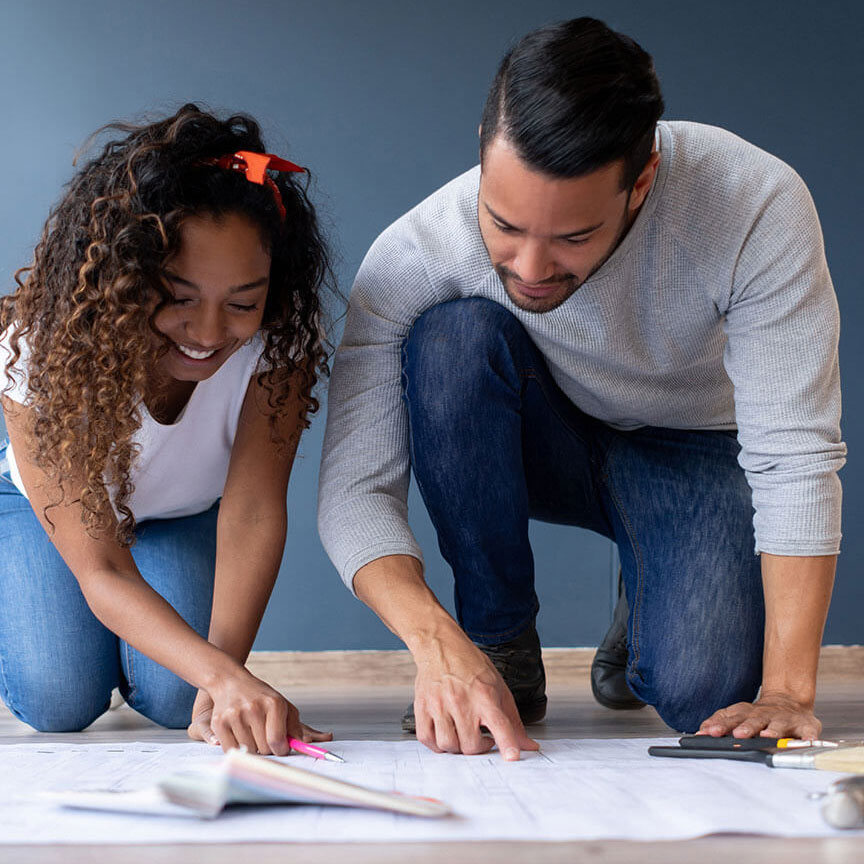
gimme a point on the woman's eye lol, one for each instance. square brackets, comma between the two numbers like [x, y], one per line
[243, 308]
[181, 301]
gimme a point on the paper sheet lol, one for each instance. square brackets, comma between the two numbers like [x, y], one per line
[571, 790]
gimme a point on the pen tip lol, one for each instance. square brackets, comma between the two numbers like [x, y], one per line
[332, 757]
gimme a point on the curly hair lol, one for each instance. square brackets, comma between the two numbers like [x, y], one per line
[85, 307]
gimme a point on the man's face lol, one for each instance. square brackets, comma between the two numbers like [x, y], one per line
[545, 236]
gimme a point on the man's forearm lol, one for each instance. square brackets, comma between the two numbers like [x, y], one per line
[797, 596]
[394, 588]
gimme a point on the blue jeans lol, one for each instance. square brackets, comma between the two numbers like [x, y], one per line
[58, 663]
[494, 442]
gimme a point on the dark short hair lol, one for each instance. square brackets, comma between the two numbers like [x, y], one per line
[574, 96]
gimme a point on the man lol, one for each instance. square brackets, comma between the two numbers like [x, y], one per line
[617, 323]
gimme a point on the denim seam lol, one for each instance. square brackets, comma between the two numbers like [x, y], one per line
[637, 552]
[532, 374]
[130, 672]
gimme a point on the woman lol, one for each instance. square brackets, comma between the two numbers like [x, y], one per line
[158, 355]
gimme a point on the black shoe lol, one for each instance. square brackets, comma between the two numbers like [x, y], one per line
[609, 669]
[521, 666]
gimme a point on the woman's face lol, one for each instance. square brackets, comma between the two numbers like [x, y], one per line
[219, 279]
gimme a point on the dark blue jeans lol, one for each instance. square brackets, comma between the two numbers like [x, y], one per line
[494, 443]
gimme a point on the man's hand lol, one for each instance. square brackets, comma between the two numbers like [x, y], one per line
[457, 691]
[797, 594]
[773, 715]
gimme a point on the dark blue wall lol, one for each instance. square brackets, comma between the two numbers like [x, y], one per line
[382, 100]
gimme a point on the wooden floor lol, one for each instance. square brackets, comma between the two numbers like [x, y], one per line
[364, 698]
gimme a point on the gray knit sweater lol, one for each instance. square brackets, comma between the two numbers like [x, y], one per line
[715, 312]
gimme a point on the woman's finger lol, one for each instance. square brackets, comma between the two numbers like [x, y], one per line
[225, 735]
[276, 728]
[310, 735]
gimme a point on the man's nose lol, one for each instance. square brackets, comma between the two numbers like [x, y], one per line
[533, 263]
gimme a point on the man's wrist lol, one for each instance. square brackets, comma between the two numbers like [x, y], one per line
[802, 696]
[434, 637]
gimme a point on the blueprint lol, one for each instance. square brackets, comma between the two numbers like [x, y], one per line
[570, 790]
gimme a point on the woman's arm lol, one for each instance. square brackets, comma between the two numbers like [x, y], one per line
[106, 572]
[129, 607]
[250, 539]
[252, 521]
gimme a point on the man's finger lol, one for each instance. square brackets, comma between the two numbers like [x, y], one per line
[424, 727]
[445, 733]
[506, 737]
[472, 741]
[512, 713]
[750, 727]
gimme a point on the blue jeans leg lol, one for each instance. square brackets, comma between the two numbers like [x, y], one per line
[177, 558]
[494, 442]
[58, 663]
[683, 520]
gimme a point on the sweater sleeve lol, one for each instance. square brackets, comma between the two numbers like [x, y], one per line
[362, 503]
[782, 327]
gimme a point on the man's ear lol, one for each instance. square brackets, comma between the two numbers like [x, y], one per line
[643, 182]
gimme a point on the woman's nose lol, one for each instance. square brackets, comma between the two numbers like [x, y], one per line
[206, 328]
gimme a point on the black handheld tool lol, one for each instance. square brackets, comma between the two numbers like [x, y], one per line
[727, 742]
[742, 755]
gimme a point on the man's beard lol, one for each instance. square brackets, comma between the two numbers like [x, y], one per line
[570, 282]
[568, 285]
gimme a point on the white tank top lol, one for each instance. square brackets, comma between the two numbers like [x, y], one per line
[182, 467]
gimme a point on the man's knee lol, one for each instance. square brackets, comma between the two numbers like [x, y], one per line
[448, 350]
[685, 696]
[457, 334]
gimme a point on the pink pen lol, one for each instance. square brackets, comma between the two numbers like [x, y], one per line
[312, 750]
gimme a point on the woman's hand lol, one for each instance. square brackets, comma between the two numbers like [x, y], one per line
[244, 711]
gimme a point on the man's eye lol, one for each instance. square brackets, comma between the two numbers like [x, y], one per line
[507, 229]
[576, 241]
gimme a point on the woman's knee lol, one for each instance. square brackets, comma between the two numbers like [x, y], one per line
[160, 696]
[50, 705]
